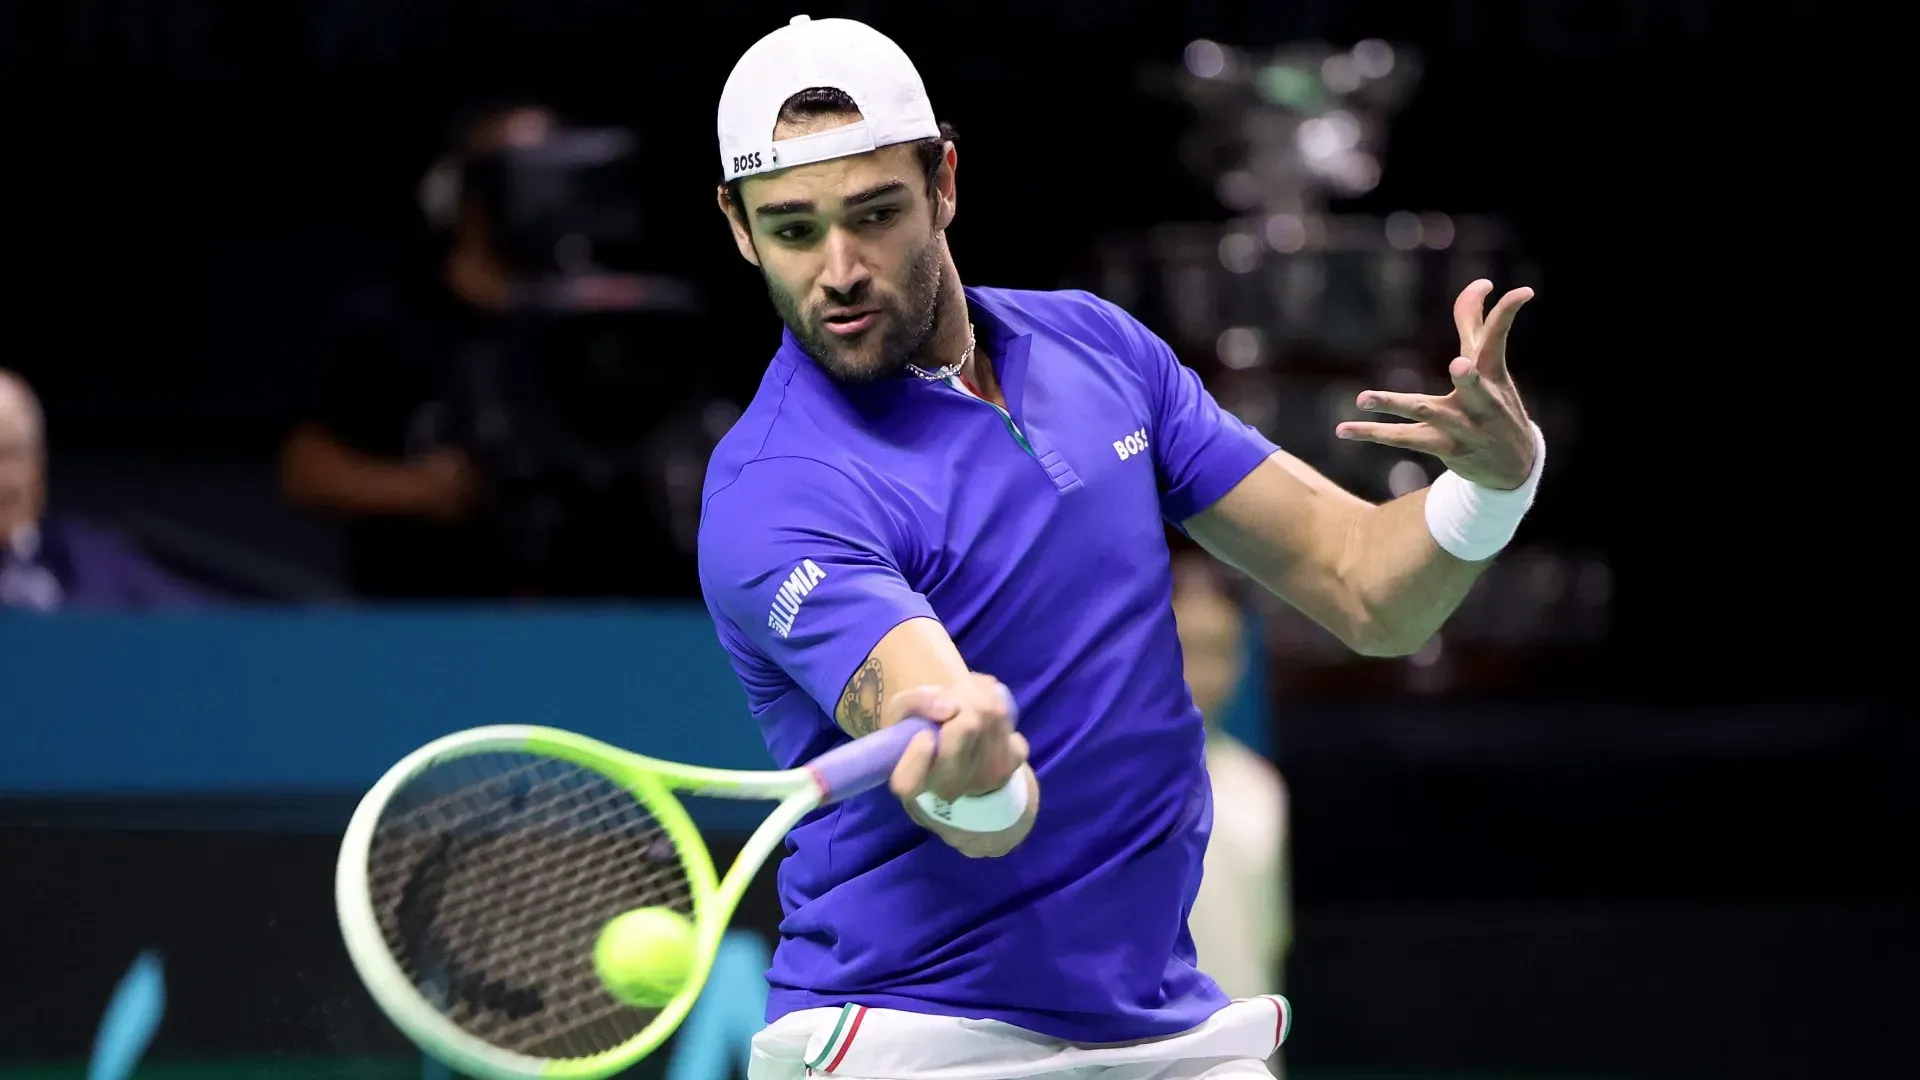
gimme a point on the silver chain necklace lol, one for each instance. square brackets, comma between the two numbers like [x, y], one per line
[937, 374]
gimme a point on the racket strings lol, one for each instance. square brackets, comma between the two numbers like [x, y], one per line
[492, 877]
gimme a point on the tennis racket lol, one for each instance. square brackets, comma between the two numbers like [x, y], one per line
[477, 874]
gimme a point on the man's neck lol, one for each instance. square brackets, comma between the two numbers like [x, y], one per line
[956, 334]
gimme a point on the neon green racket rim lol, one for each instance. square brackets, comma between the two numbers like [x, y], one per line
[702, 884]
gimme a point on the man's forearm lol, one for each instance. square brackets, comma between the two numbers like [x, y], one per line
[1372, 575]
[918, 653]
[319, 471]
[1406, 586]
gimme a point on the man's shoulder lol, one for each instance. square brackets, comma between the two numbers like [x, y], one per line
[1075, 312]
[108, 556]
[761, 481]
[777, 436]
[1088, 325]
[85, 536]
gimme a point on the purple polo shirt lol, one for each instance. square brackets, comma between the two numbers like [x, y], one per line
[833, 513]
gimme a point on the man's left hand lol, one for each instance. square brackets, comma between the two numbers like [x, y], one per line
[1480, 431]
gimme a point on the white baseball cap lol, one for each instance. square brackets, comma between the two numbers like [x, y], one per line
[838, 54]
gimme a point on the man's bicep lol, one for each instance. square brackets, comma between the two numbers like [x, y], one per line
[1285, 525]
[917, 652]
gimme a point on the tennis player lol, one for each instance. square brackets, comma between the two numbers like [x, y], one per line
[946, 500]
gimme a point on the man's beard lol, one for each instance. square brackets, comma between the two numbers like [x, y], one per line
[899, 332]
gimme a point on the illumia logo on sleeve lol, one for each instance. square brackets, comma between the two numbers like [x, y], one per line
[1131, 446]
[786, 602]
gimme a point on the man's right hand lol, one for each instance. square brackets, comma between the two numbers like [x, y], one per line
[978, 750]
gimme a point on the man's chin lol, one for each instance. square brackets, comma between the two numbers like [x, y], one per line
[858, 364]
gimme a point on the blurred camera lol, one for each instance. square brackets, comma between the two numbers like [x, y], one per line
[570, 203]
[575, 398]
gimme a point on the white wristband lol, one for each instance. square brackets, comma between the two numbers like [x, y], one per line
[989, 813]
[1471, 522]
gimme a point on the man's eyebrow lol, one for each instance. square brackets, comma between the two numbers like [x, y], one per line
[877, 191]
[805, 206]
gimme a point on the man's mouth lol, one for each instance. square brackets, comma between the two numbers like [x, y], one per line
[848, 323]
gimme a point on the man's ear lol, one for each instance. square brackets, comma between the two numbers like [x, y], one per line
[946, 196]
[737, 221]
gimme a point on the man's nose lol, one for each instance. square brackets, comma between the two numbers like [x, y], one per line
[845, 273]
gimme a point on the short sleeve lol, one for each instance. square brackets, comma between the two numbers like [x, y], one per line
[804, 564]
[1200, 450]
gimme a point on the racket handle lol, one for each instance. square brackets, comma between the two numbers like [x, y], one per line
[866, 762]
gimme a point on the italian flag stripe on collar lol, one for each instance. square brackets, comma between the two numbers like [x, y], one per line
[1005, 417]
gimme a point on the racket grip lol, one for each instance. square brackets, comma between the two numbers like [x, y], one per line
[866, 762]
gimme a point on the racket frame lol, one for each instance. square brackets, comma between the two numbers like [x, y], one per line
[798, 792]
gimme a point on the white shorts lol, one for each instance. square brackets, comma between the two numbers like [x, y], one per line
[858, 1043]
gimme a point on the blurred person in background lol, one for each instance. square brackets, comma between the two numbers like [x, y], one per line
[52, 562]
[1241, 920]
[525, 422]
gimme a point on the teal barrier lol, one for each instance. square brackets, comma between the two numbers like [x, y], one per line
[307, 702]
[1246, 714]
[716, 1042]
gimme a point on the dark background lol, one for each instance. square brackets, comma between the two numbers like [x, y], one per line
[1690, 857]
[1702, 182]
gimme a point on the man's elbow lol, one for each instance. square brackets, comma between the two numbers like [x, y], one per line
[1376, 638]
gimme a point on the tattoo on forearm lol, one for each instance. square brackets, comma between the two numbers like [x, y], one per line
[859, 711]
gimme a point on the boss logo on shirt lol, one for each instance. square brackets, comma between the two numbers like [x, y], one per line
[1131, 446]
[786, 602]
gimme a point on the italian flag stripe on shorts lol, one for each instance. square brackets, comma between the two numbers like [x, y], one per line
[844, 1029]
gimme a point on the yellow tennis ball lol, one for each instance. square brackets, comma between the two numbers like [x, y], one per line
[645, 956]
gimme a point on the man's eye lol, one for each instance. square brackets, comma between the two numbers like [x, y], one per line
[883, 215]
[792, 233]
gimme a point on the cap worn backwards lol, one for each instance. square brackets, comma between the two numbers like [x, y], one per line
[805, 54]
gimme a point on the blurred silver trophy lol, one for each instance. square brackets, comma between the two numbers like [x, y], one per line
[1290, 309]
[1278, 133]
[1278, 137]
